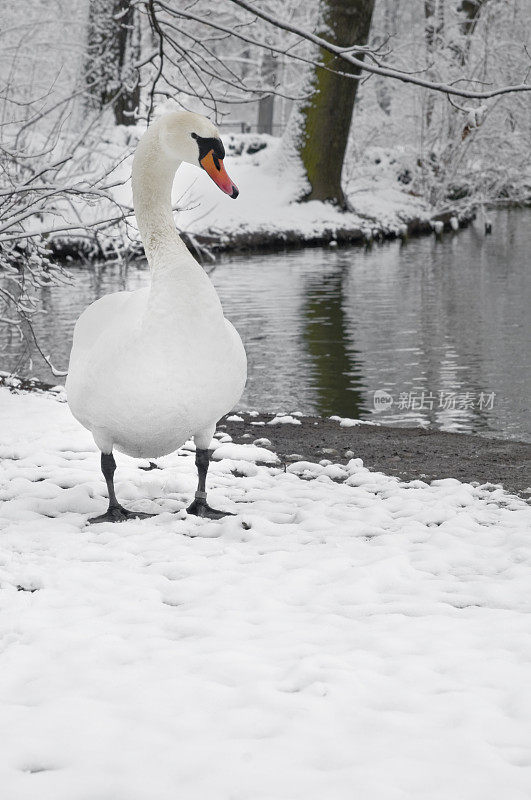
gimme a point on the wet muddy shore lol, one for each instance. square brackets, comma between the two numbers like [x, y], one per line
[407, 453]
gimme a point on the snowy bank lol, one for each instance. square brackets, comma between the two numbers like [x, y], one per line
[266, 214]
[334, 639]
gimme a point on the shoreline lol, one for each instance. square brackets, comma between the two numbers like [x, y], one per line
[270, 240]
[406, 453]
[274, 240]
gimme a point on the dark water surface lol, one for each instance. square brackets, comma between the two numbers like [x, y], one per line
[441, 327]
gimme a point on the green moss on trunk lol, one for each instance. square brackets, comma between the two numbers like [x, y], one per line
[327, 116]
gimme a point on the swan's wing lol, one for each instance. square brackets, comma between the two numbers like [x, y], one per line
[102, 326]
[104, 313]
[237, 362]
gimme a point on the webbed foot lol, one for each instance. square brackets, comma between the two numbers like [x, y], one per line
[200, 508]
[119, 514]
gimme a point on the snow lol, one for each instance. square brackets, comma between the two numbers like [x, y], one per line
[267, 201]
[345, 635]
[378, 187]
[244, 452]
[476, 116]
[267, 204]
[263, 442]
[347, 422]
[284, 419]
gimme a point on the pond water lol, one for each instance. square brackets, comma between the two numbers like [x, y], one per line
[440, 330]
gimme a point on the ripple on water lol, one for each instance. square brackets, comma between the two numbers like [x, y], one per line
[324, 329]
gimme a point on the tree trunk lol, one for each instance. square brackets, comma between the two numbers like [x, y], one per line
[383, 91]
[469, 11]
[113, 47]
[266, 105]
[433, 34]
[324, 120]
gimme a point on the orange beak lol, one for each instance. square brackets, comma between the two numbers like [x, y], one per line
[214, 166]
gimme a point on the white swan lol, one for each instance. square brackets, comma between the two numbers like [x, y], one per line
[151, 368]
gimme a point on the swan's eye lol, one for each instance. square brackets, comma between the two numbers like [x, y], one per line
[206, 144]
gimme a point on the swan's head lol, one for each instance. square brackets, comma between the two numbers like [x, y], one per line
[189, 137]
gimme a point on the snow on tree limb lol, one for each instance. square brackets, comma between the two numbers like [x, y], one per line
[474, 119]
[376, 68]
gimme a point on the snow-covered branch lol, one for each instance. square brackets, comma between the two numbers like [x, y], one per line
[372, 66]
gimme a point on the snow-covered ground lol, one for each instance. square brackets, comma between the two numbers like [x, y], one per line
[268, 192]
[345, 635]
[267, 207]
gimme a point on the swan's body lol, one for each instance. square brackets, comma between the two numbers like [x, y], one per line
[151, 368]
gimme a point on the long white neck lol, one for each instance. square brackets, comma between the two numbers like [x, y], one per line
[180, 293]
[152, 179]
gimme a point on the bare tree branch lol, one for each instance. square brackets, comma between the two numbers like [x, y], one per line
[388, 72]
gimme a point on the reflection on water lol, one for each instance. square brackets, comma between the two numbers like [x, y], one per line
[336, 375]
[441, 327]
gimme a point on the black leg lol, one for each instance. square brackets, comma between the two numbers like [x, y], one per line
[199, 506]
[115, 512]
[108, 467]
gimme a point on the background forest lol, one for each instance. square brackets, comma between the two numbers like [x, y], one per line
[79, 80]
